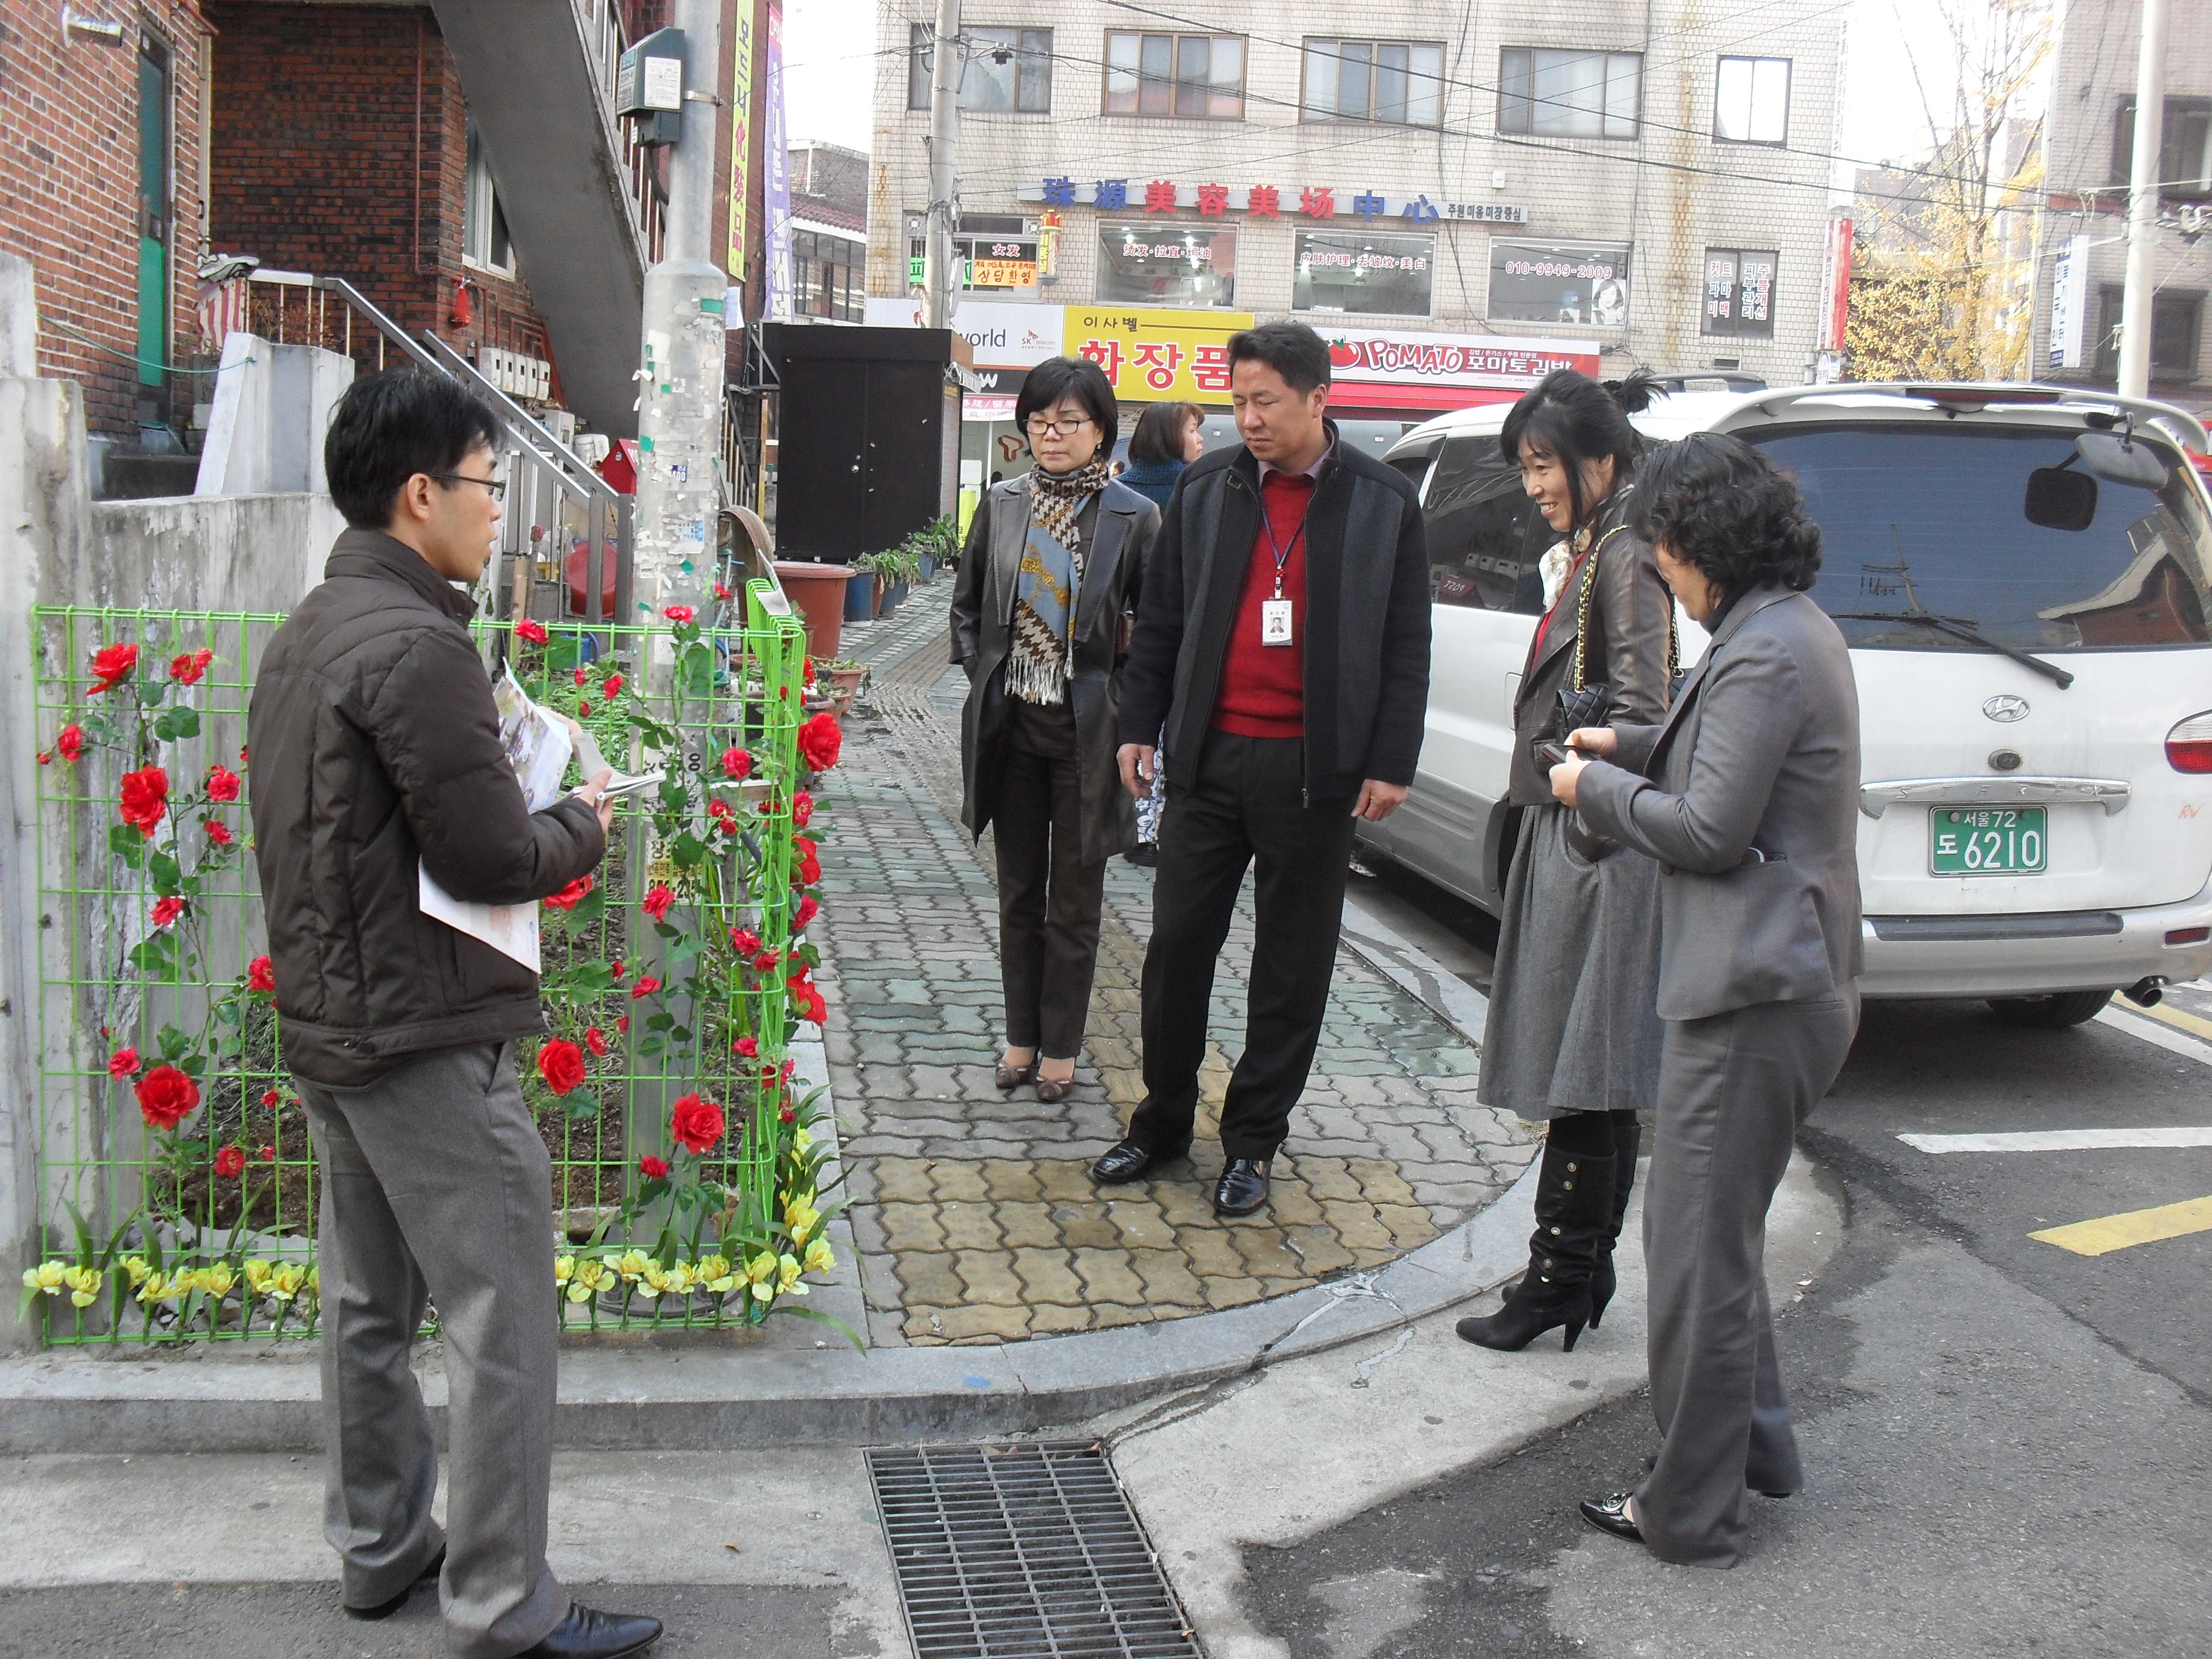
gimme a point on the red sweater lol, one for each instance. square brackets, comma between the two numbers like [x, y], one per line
[1263, 687]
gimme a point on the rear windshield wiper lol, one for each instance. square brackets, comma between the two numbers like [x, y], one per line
[2049, 671]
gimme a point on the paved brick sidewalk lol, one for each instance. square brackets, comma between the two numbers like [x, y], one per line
[972, 1212]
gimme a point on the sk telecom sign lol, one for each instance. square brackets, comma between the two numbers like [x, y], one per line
[1156, 357]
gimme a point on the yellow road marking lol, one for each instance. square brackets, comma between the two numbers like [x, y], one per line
[2195, 1024]
[2117, 1232]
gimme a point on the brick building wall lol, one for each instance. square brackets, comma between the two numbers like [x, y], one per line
[69, 195]
[339, 147]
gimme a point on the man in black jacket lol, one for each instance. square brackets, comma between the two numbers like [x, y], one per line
[376, 760]
[1283, 641]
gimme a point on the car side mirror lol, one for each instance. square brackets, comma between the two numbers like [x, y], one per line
[2122, 459]
[2060, 499]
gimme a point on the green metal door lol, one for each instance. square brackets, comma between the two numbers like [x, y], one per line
[153, 210]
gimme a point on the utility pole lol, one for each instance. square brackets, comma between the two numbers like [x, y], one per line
[945, 66]
[681, 365]
[2136, 298]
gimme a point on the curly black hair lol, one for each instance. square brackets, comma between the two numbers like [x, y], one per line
[1723, 505]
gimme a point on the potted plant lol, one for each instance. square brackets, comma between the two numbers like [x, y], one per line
[842, 678]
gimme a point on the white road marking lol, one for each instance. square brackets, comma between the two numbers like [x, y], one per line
[2158, 1035]
[2060, 1140]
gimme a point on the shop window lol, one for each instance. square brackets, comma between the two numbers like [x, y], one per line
[1166, 264]
[1740, 291]
[1355, 272]
[1750, 101]
[1192, 76]
[1583, 283]
[1400, 82]
[1009, 71]
[484, 222]
[1569, 94]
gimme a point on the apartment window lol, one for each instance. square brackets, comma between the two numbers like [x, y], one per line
[1740, 291]
[829, 275]
[1750, 101]
[1162, 265]
[1009, 71]
[1353, 271]
[2185, 158]
[2176, 328]
[484, 223]
[1398, 82]
[1196, 76]
[1569, 94]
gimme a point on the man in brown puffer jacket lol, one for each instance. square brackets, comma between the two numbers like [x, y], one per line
[376, 758]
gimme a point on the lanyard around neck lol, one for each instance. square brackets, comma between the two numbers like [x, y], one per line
[1282, 554]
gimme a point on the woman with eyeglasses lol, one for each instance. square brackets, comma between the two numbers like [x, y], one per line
[1054, 559]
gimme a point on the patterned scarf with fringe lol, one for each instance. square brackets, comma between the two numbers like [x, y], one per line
[1042, 661]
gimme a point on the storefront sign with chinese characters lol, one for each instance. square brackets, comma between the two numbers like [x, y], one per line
[1311, 203]
[1371, 369]
[1154, 355]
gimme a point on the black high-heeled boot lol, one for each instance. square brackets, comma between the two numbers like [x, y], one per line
[1574, 1193]
[1627, 1142]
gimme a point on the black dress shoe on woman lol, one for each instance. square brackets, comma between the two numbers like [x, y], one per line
[1125, 1161]
[1243, 1188]
[1611, 1515]
[587, 1633]
[386, 1609]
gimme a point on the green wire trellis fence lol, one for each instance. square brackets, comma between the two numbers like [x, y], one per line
[177, 1182]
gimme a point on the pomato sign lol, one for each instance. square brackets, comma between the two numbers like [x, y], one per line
[1374, 368]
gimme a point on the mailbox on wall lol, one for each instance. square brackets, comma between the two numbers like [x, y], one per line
[866, 418]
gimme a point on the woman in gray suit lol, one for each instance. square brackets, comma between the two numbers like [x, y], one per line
[1746, 796]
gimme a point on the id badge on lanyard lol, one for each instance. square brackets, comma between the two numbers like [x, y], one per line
[1275, 625]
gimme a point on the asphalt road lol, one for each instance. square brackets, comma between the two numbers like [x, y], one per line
[2007, 1442]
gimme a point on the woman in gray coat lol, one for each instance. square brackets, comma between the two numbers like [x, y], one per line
[1570, 1038]
[1747, 797]
[1053, 559]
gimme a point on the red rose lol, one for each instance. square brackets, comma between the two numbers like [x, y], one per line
[581, 676]
[569, 898]
[111, 665]
[622, 1022]
[802, 809]
[679, 614]
[230, 1163]
[749, 1047]
[561, 1063]
[697, 1124]
[268, 1154]
[807, 911]
[583, 709]
[651, 1168]
[614, 684]
[820, 741]
[166, 910]
[596, 1041]
[261, 975]
[724, 815]
[218, 832]
[809, 1002]
[644, 987]
[721, 592]
[69, 744]
[221, 784]
[807, 671]
[810, 866]
[765, 962]
[187, 669]
[124, 1062]
[656, 902]
[166, 1097]
[271, 1099]
[534, 632]
[787, 1116]
[737, 763]
[615, 969]
[145, 799]
[744, 941]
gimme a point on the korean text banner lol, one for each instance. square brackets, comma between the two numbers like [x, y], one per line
[1153, 356]
[1380, 368]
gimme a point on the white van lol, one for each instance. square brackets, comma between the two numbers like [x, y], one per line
[2024, 574]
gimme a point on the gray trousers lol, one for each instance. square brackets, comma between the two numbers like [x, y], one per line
[436, 1187]
[1732, 1090]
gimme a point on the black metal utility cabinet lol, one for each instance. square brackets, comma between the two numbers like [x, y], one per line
[866, 418]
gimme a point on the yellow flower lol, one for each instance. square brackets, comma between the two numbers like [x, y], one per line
[257, 1276]
[136, 1267]
[819, 1257]
[801, 1220]
[800, 1139]
[83, 1284]
[713, 1267]
[681, 1278]
[285, 1282]
[157, 1288]
[46, 1276]
[788, 1279]
[656, 1279]
[217, 1280]
[315, 1278]
[563, 1268]
[589, 1277]
[632, 1265]
[760, 1270]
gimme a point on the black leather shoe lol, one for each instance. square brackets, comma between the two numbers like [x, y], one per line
[1611, 1515]
[587, 1633]
[1243, 1188]
[1125, 1161]
[386, 1609]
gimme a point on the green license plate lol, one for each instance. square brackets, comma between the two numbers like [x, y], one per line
[1986, 840]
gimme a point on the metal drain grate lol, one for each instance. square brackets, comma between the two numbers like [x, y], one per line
[1024, 1552]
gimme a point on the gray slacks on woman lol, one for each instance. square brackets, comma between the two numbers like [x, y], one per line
[1732, 1090]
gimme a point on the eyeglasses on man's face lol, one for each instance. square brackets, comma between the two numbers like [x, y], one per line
[1069, 426]
[496, 486]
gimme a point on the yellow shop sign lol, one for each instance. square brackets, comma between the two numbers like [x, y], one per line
[1156, 357]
